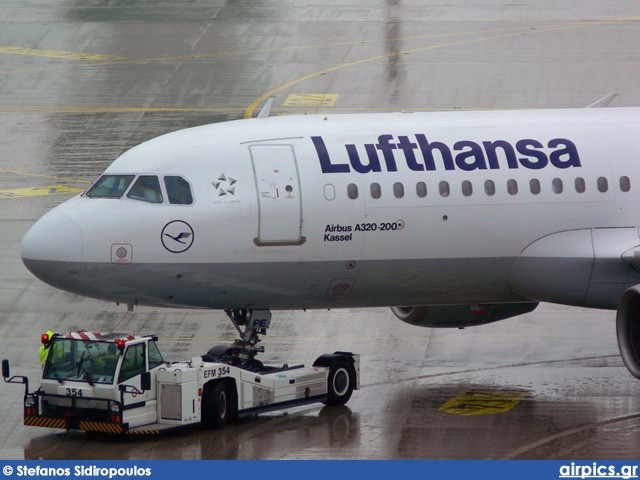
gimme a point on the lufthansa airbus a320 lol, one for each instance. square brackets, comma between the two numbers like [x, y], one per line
[452, 219]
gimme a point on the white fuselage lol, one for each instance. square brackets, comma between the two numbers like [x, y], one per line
[363, 210]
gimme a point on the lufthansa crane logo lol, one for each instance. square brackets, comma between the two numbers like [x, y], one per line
[177, 236]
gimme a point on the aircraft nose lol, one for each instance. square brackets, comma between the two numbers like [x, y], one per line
[53, 242]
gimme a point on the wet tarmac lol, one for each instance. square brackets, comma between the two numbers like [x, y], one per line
[81, 81]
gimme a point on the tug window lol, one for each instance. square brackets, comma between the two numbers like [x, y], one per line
[110, 186]
[155, 357]
[134, 362]
[146, 189]
[178, 191]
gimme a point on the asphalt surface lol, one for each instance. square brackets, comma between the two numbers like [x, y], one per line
[81, 81]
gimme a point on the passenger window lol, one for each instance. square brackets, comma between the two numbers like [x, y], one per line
[625, 184]
[178, 191]
[155, 357]
[110, 186]
[467, 188]
[146, 189]
[421, 189]
[133, 363]
[512, 187]
[581, 186]
[352, 191]
[490, 187]
[329, 192]
[603, 184]
[444, 189]
[557, 185]
[398, 190]
[534, 185]
[376, 191]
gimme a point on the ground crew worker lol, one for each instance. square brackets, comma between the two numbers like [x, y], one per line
[106, 363]
[44, 348]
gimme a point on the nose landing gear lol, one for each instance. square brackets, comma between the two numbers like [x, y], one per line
[255, 322]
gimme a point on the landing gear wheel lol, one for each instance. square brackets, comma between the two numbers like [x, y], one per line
[216, 407]
[340, 383]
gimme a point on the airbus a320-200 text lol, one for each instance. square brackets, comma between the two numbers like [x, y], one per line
[346, 231]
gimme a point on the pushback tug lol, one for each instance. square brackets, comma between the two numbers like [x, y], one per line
[120, 384]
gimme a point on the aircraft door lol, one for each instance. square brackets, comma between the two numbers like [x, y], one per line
[279, 199]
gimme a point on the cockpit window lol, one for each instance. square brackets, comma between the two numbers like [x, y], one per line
[178, 190]
[146, 189]
[110, 186]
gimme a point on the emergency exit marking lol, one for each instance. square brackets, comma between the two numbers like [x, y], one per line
[38, 191]
[483, 402]
[311, 100]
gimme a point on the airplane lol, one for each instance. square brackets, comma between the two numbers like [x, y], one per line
[452, 219]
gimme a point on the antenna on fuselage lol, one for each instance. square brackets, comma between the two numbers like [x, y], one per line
[266, 110]
[603, 102]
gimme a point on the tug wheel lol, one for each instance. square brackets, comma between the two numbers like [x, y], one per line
[341, 382]
[215, 407]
